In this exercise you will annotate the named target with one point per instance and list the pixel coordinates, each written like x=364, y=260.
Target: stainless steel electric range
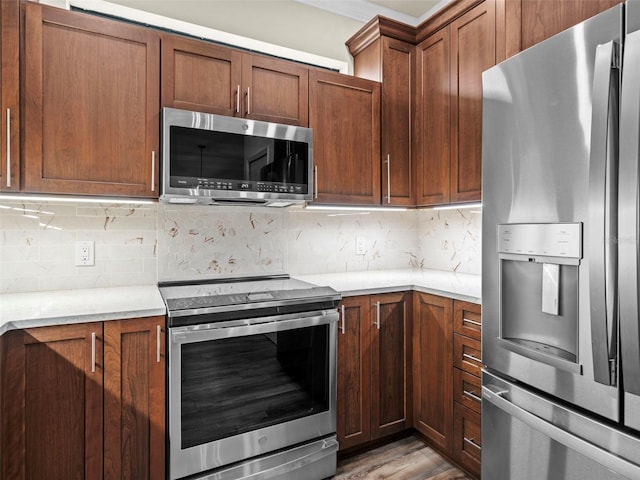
x=251, y=379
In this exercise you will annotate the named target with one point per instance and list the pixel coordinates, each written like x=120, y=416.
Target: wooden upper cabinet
x=200, y=76
x=472, y=51
x=542, y=19
x=205, y=77
x=9, y=95
x=398, y=67
x=391, y=61
x=344, y=113
x=91, y=96
x=433, y=120
x=275, y=90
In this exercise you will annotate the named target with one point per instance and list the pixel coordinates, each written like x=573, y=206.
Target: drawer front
x=467, y=390
x=466, y=354
x=467, y=446
x=467, y=319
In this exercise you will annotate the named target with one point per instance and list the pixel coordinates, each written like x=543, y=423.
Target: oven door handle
x=200, y=333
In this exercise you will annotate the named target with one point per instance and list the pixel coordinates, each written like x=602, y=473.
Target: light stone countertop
x=460, y=286
x=60, y=307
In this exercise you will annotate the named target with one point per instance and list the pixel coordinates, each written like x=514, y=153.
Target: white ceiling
x=412, y=12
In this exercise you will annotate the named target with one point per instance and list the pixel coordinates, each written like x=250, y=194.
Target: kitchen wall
x=143, y=243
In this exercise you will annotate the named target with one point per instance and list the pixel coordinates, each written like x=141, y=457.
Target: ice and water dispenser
x=539, y=291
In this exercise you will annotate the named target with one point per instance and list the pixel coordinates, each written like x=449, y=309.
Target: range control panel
x=547, y=239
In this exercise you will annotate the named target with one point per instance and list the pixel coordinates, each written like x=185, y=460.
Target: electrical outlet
x=361, y=249
x=85, y=255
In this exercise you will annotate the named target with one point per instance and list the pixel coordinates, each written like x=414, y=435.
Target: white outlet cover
x=85, y=253
x=361, y=248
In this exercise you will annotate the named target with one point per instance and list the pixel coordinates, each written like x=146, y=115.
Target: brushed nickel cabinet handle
x=158, y=342
x=472, y=322
x=343, y=320
x=472, y=442
x=248, y=100
x=238, y=100
x=8, y=147
x=378, y=315
x=153, y=171
x=389, y=179
x=93, y=352
x=472, y=358
x=471, y=395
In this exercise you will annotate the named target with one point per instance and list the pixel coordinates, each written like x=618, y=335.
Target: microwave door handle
x=628, y=214
x=602, y=205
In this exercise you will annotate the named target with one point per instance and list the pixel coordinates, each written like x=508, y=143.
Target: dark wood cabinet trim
x=377, y=27
x=443, y=17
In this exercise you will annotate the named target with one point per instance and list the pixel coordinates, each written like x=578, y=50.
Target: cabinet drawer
x=467, y=446
x=467, y=390
x=467, y=319
x=466, y=354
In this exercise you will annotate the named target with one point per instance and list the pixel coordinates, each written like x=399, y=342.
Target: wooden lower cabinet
x=432, y=357
x=83, y=401
x=446, y=381
x=374, y=353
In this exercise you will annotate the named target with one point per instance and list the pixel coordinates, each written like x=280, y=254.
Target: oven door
x=247, y=387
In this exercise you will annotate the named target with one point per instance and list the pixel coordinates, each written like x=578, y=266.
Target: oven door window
x=238, y=384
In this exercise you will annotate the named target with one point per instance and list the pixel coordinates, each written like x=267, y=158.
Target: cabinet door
x=398, y=65
x=432, y=382
x=472, y=51
x=275, y=90
x=9, y=95
x=52, y=403
x=543, y=18
x=134, y=399
x=390, y=363
x=200, y=76
x=91, y=95
x=344, y=113
x=354, y=373
x=433, y=120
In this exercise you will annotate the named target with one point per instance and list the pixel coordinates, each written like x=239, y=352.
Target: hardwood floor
x=405, y=459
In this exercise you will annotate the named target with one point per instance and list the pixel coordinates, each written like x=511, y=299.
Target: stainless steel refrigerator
x=560, y=262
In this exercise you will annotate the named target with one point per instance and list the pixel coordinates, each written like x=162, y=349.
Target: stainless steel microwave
x=213, y=159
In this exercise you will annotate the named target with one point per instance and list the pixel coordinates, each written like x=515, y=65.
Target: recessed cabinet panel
x=472, y=52
x=432, y=383
x=432, y=137
x=200, y=76
x=92, y=105
x=9, y=95
x=344, y=113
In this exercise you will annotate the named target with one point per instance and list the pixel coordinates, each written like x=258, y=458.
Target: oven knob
x=262, y=441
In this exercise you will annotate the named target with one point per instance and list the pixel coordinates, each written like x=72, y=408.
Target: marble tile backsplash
x=198, y=242
x=141, y=244
x=37, y=245
x=325, y=242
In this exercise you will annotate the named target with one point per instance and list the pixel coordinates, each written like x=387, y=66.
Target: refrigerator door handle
x=603, y=196
x=573, y=442
x=628, y=214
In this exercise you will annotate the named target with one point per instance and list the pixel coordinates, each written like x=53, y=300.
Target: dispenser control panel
x=545, y=239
